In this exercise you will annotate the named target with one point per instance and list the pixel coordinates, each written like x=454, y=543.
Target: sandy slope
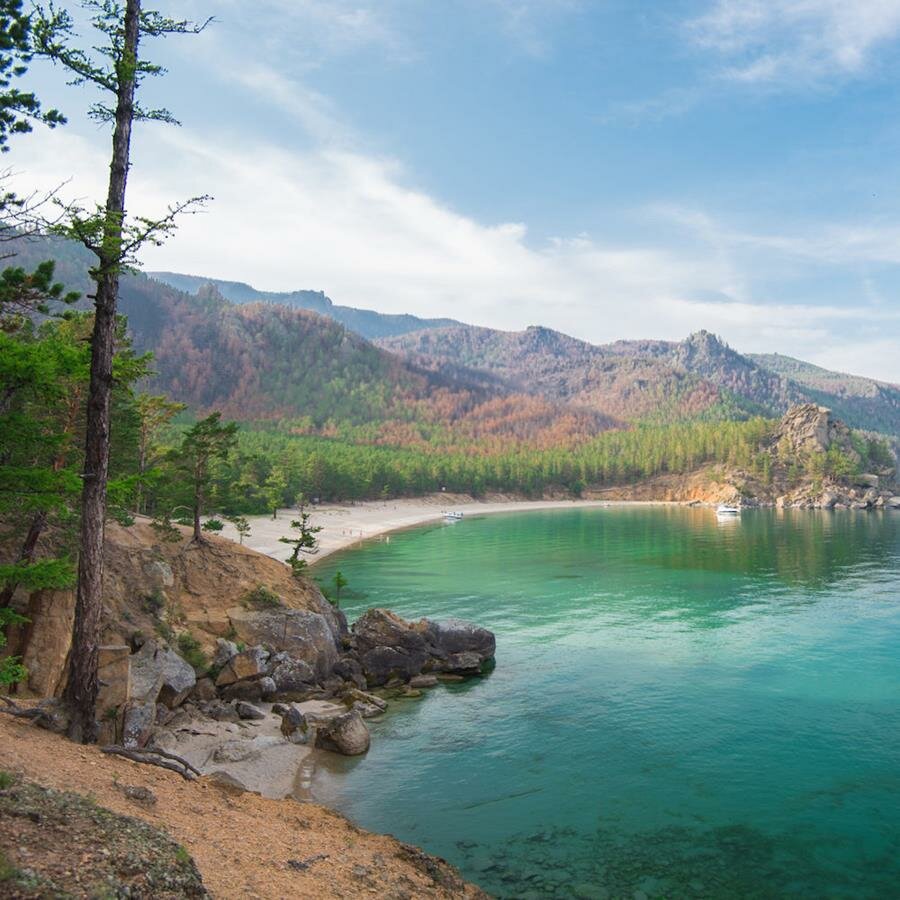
x=245, y=846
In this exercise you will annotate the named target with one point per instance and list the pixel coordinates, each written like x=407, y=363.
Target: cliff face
x=158, y=589
x=809, y=428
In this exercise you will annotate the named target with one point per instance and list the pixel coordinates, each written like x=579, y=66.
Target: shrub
x=261, y=597
x=213, y=525
x=154, y=603
x=189, y=647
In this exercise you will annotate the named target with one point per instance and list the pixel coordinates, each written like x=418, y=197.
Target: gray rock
x=225, y=651
x=305, y=635
x=221, y=712
x=893, y=502
x=204, y=690
x=350, y=670
x=159, y=574
x=346, y=734
x=250, y=690
x=456, y=636
x=138, y=726
x=423, y=681
x=389, y=646
x=250, y=663
x=248, y=711
x=467, y=663
x=292, y=675
x=160, y=674
x=294, y=726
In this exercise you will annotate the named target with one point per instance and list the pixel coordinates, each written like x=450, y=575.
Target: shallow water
x=681, y=707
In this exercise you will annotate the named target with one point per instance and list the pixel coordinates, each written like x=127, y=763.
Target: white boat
x=453, y=516
x=723, y=509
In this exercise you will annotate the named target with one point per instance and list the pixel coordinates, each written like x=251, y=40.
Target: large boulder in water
x=389, y=647
x=346, y=733
x=457, y=638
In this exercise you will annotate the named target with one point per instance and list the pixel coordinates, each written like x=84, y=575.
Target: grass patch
x=6, y=780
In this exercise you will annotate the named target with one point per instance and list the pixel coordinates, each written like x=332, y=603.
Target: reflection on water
x=681, y=707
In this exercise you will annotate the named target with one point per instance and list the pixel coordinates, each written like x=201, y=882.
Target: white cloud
x=790, y=41
x=333, y=218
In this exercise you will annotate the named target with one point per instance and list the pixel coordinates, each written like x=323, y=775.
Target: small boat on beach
x=452, y=516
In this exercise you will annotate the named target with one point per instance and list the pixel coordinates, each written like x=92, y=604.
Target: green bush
x=261, y=597
x=154, y=603
x=213, y=525
x=189, y=647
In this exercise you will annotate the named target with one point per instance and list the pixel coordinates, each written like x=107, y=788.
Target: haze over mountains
x=297, y=358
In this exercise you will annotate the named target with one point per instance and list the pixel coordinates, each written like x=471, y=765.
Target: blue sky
x=614, y=169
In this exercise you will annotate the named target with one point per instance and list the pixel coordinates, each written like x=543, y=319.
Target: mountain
x=365, y=322
x=448, y=385
x=651, y=380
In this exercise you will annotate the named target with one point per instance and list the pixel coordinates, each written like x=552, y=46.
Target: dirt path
x=245, y=846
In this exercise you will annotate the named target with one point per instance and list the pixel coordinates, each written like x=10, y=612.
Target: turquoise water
x=680, y=707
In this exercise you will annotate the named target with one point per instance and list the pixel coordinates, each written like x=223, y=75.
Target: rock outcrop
x=388, y=647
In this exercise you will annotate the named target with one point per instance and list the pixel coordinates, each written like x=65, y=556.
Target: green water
x=680, y=707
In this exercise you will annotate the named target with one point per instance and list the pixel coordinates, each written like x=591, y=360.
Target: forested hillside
x=447, y=386
x=652, y=380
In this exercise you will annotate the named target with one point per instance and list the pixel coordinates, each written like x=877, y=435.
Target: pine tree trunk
x=82, y=685
x=26, y=554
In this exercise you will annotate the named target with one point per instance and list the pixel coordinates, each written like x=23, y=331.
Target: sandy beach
x=349, y=524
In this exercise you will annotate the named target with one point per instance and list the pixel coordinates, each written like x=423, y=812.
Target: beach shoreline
x=347, y=525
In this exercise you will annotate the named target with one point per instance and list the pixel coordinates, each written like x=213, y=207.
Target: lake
x=681, y=707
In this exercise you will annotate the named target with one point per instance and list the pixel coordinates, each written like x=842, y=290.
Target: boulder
x=244, y=666
x=294, y=726
x=346, y=734
x=454, y=636
x=423, y=681
x=225, y=652
x=866, y=479
x=350, y=670
x=248, y=711
x=305, y=635
x=220, y=712
x=367, y=705
x=389, y=646
x=291, y=675
x=892, y=502
x=204, y=690
x=829, y=500
x=253, y=690
x=160, y=674
x=138, y=725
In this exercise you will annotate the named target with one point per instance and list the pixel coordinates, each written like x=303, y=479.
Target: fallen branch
x=166, y=755
x=140, y=756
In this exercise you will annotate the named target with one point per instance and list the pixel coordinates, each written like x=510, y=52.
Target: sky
x=609, y=168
